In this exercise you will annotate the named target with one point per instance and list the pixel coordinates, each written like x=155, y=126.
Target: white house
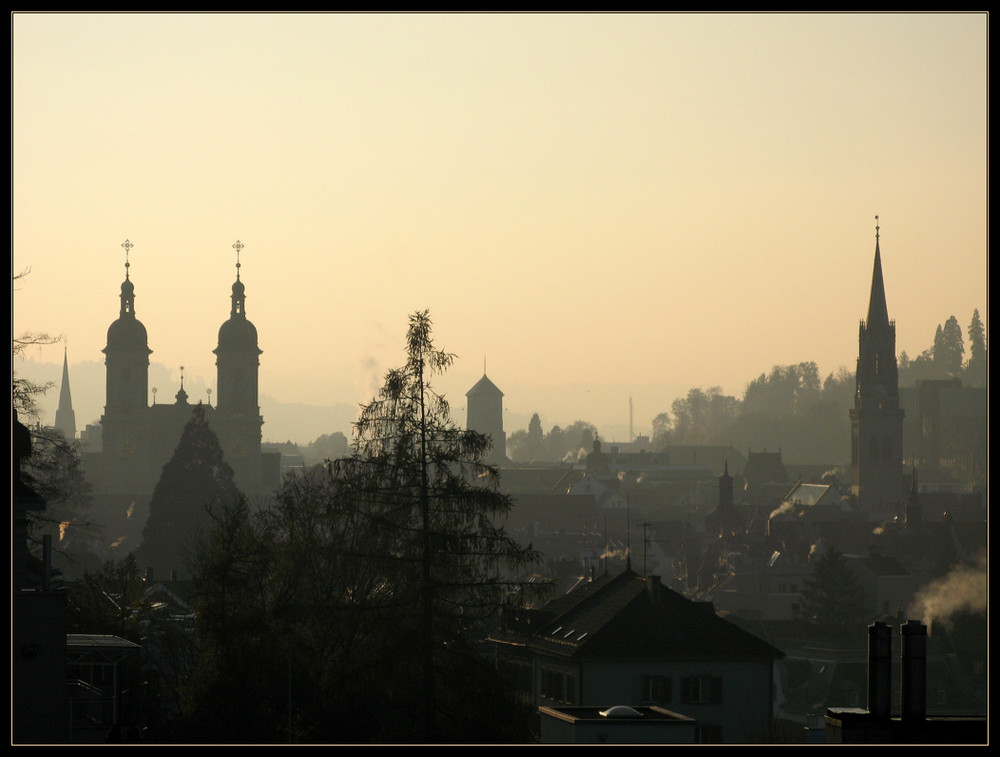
x=632, y=641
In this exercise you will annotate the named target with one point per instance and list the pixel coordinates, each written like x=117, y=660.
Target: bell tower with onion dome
x=237, y=420
x=124, y=437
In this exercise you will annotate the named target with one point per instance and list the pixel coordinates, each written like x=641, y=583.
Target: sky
x=599, y=211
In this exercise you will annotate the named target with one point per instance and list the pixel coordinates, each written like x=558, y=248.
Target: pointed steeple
x=878, y=312
x=65, y=417
x=877, y=418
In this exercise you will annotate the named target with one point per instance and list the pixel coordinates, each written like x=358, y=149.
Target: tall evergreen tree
x=453, y=565
x=195, y=480
x=536, y=438
x=365, y=587
x=833, y=596
x=949, y=348
x=976, y=368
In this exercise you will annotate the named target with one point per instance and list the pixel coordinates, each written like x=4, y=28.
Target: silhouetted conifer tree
x=451, y=564
x=976, y=368
x=833, y=596
x=949, y=347
x=352, y=605
x=195, y=480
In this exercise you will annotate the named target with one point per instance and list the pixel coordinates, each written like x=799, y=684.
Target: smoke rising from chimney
x=964, y=588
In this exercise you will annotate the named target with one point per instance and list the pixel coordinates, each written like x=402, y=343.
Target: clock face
x=238, y=450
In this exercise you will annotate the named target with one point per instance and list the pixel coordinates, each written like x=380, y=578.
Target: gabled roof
x=540, y=479
x=630, y=617
x=177, y=593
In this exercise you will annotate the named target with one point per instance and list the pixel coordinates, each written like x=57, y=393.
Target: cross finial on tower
x=238, y=246
x=128, y=246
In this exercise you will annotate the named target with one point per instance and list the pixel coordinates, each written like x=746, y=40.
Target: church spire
x=65, y=417
x=878, y=312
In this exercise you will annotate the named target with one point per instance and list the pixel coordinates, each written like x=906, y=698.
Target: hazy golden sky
x=598, y=206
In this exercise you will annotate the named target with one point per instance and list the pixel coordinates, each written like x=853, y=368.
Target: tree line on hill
x=789, y=408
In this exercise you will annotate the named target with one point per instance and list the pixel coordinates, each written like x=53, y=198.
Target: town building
x=38, y=619
x=945, y=432
x=630, y=640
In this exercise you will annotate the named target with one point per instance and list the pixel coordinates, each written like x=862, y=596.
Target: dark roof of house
x=98, y=641
x=538, y=479
x=630, y=617
x=179, y=593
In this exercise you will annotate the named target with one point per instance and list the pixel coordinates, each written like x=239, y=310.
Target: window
x=706, y=733
x=557, y=686
x=655, y=690
x=701, y=690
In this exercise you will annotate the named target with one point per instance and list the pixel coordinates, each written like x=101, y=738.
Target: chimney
x=654, y=587
x=913, y=683
x=46, y=562
x=880, y=670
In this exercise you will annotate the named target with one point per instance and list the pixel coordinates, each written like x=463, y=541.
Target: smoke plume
x=964, y=588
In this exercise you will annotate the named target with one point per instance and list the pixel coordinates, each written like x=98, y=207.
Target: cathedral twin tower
x=139, y=438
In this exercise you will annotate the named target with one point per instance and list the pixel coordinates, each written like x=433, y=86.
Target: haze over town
x=597, y=209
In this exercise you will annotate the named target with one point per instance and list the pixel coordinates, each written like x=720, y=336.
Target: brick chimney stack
x=880, y=670
x=913, y=682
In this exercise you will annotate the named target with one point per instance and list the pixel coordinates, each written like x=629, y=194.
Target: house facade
x=630, y=640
